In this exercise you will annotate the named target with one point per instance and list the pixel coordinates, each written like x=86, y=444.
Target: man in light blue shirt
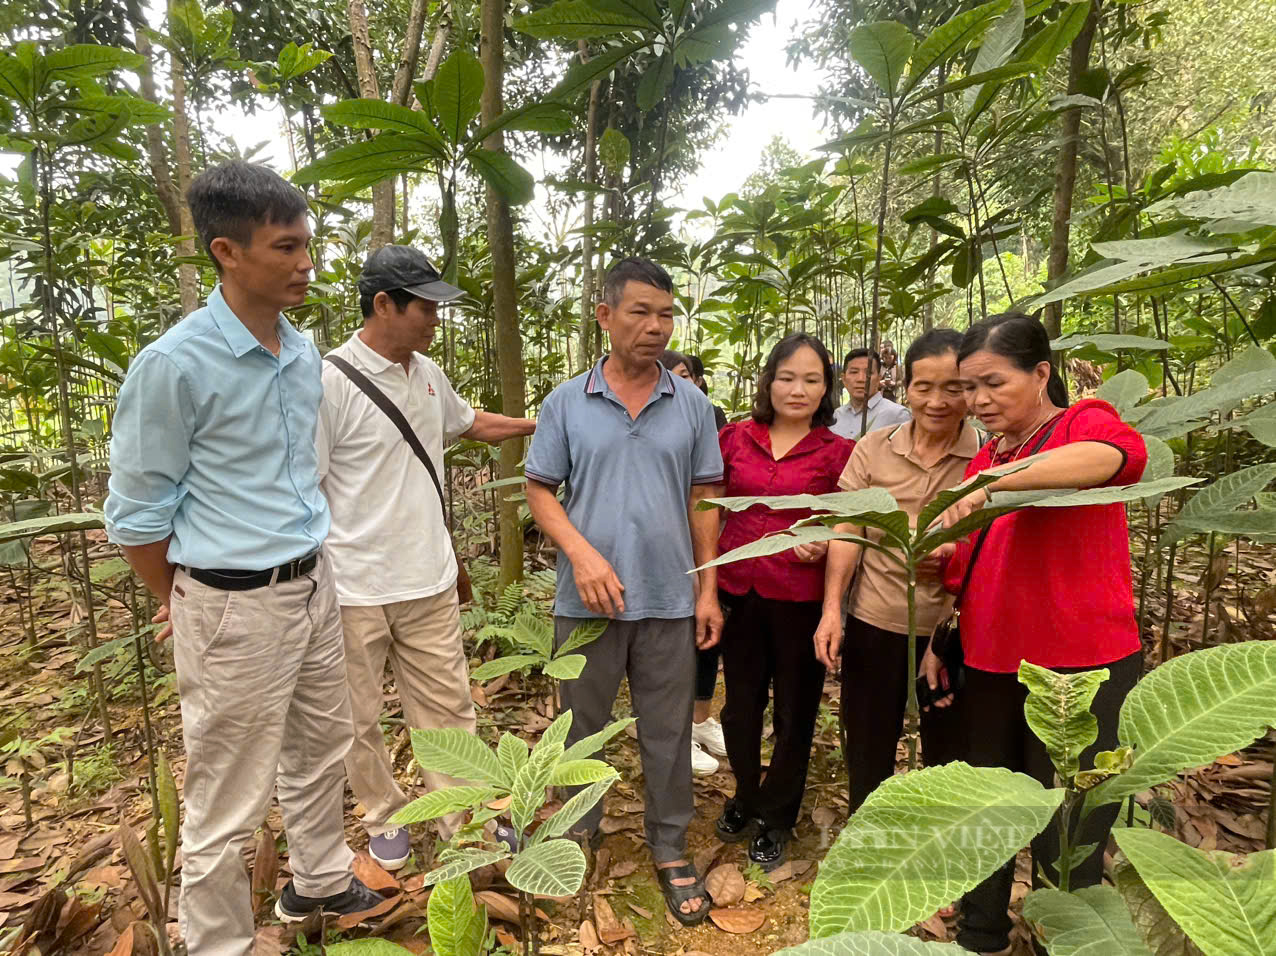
x=214, y=500
x=862, y=376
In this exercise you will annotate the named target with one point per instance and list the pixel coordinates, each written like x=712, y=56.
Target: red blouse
x=812, y=466
x=1052, y=585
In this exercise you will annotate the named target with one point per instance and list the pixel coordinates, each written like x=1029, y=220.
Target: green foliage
x=531, y=631
x=867, y=944
x=52, y=524
x=1057, y=710
x=1092, y=921
x=457, y=926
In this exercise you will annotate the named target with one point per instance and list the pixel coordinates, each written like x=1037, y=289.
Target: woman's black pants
x=876, y=673
x=767, y=643
x=996, y=735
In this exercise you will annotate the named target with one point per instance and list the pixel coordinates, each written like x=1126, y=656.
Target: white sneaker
x=709, y=736
x=701, y=763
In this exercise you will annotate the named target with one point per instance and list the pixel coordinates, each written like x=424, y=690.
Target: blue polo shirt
x=628, y=484
x=213, y=442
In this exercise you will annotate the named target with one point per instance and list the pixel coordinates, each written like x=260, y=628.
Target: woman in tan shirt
x=914, y=462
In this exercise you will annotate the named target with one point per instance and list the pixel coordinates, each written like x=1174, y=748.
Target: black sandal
x=676, y=895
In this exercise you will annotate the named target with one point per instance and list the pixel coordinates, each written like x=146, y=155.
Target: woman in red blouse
x=1049, y=586
x=775, y=602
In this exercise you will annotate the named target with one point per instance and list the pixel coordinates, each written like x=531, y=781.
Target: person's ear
x=224, y=251
x=602, y=313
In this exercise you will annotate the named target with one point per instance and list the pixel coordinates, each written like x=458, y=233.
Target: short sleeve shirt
x=388, y=542
x=882, y=413
x=628, y=481
x=885, y=459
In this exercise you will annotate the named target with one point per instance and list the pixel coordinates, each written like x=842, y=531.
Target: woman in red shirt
x=786, y=448
x=1049, y=586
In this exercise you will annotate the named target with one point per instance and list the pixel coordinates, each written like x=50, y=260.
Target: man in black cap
x=394, y=566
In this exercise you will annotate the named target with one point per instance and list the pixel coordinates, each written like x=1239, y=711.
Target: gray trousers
x=659, y=658
x=262, y=679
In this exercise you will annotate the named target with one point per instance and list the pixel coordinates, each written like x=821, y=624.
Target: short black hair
x=875, y=359
x=633, y=269
x=763, y=410
x=400, y=297
x=929, y=345
x=697, y=371
x=235, y=198
x=671, y=360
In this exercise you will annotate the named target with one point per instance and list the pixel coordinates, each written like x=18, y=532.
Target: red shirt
x=1052, y=585
x=812, y=466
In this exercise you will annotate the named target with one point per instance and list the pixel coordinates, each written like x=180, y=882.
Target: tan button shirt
x=885, y=459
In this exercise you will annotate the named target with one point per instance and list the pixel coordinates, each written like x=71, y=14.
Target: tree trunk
x=1065, y=170
x=500, y=240
x=437, y=46
x=587, y=240
x=928, y=310
x=156, y=151
x=401, y=90
x=382, y=192
x=187, y=278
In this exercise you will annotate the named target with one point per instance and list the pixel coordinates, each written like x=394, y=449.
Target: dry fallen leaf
x=639, y=911
x=935, y=926
x=498, y=905
x=706, y=856
x=589, y=937
x=752, y=894
x=272, y=941
x=374, y=877
x=623, y=869
x=501, y=804
x=823, y=817
x=354, y=919
x=781, y=873
x=611, y=825
x=738, y=920
x=798, y=867
x=124, y=945
x=610, y=929
x=265, y=866
x=508, y=940
x=725, y=885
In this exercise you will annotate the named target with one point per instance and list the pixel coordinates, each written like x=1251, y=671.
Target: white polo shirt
x=388, y=542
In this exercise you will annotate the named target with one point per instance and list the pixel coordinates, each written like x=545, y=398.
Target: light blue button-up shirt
x=213, y=442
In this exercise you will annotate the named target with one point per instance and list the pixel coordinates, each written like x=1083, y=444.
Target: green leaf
x=1253, y=359
x=503, y=174
x=1044, y=47
x=534, y=632
x=1248, y=200
x=579, y=20
x=921, y=840
x=504, y=665
x=574, y=809
x=1156, y=927
x=52, y=524
x=577, y=773
x=583, y=634
x=439, y=803
x=457, y=753
x=580, y=75
x=950, y=38
x=1166, y=416
x=106, y=651
x=1111, y=495
x=1246, y=523
x=369, y=947
x=1092, y=921
x=458, y=88
x=170, y=815
x=553, y=868
x=512, y=752
x=613, y=150
x=1057, y=710
x=566, y=667
x=998, y=46
x=1224, y=902
x=371, y=160
x=528, y=790
x=1160, y=465
x=786, y=540
x=849, y=503
x=1260, y=423
x=378, y=114
x=594, y=743
x=450, y=912
x=950, y=496
x=1124, y=390
x=867, y=944
x=1192, y=710
x=460, y=862
x=655, y=82
x=1106, y=342
x=883, y=50
x=1217, y=499
x=85, y=60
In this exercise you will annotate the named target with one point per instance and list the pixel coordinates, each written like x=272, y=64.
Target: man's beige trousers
x=422, y=639
x=264, y=707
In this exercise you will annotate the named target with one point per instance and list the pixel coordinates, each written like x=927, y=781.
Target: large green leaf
x=1088, y=922
x=1044, y=47
x=1107, y=342
x=921, y=840
x=457, y=753
x=371, y=160
x=1164, y=417
x=370, y=947
x=1161, y=464
x=580, y=75
x=1192, y=710
x=502, y=173
x=655, y=82
x=534, y=632
x=1248, y=523
x=997, y=48
x=883, y=50
x=580, y=20
x=528, y=791
x=582, y=634
x=378, y=114
x=1224, y=902
x=504, y=665
x=566, y=666
x=1124, y=390
x=1157, y=928
x=459, y=862
x=553, y=868
x=453, y=919
x=82, y=61
x=950, y=496
x=457, y=90
x=1253, y=359
x=588, y=746
x=574, y=809
x=512, y=752
x=52, y=524
x=786, y=540
x=577, y=773
x=439, y=803
x=1057, y=710
x=868, y=944
x=1218, y=499
x=1111, y=495
x=950, y=38
x=864, y=501
x=1250, y=200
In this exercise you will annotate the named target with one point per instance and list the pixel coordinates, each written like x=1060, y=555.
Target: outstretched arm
x=493, y=428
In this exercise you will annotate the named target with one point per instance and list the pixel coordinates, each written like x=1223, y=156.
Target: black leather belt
x=229, y=580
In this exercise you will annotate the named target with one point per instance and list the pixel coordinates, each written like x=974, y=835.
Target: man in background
x=866, y=409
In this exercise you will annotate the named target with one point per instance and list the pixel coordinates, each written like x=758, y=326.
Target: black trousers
x=995, y=734
x=707, y=671
x=876, y=673
x=767, y=643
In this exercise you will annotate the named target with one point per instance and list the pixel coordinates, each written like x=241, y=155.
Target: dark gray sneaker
x=293, y=907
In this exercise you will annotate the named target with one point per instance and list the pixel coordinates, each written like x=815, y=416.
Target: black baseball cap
x=402, y=267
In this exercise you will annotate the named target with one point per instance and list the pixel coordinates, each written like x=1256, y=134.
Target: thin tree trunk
x=587, y=240
x=401, y=89
x=382, y=192
x=1065, y=170
x=187, y=278
x=156, y=151
x=437, y=46
x=928, y=310
x=500, y=241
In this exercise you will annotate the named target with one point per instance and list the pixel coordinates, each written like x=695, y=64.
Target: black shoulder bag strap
x=383, y=402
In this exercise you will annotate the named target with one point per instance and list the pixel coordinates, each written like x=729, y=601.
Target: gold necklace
x=1024, y=444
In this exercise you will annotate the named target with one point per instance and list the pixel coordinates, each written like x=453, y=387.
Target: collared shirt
x=885, y=459
x=809, y=467
x=388, y=541
x=213, y=442
x=628, y=485
x=882, y=413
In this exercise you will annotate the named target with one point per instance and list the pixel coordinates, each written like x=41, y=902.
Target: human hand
x=600, y=590
x=161, y=617
x=828, y=640
x=709, y=620
x=811, y=551
x=966, y=506
x=932, y=668
x=931, y=567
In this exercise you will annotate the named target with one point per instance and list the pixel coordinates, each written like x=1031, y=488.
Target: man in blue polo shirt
x=214, y=500
x=637, y=449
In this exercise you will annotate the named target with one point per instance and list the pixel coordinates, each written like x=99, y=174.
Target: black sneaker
x=293, y=907
x=734, y=824
x=767, y=849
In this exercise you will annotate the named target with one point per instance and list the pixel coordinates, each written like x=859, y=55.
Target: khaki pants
x=422, y=639
x=264, y=707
